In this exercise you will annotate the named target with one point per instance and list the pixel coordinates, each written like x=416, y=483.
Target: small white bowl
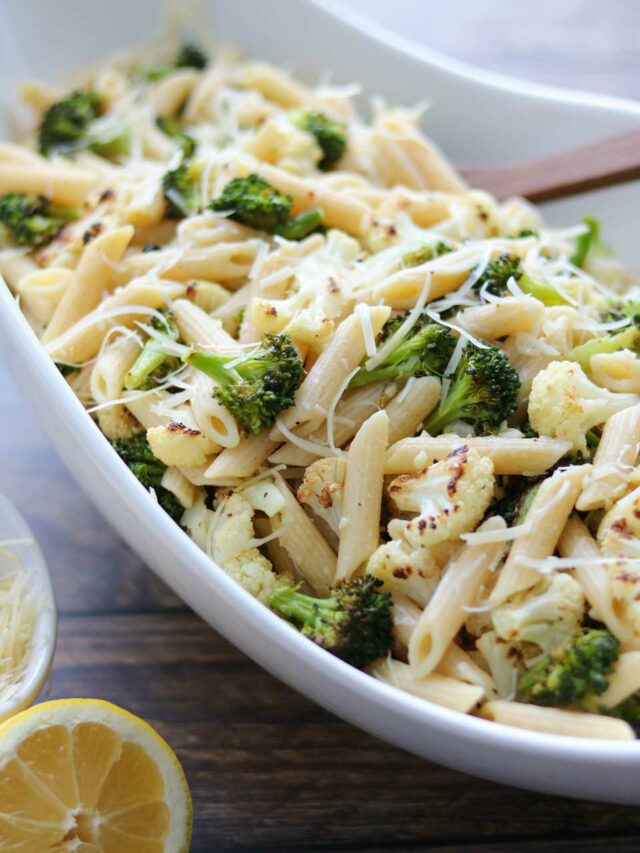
x=15, y=531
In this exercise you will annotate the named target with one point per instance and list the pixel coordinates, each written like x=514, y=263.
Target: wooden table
x=268, y=770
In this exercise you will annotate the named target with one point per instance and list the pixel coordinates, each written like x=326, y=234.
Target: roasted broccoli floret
x=189, y=56
x=575, y=671
x=153, y=363
x=497, y=273
x=354, y=623
x=425, y=253
x=180, y=187
x=483, y=392
x=32, y=219
x=67, y=127
x=192, y=56
x=628, y=338
x=254, y=202
x=329, y=135
x=622, y=309
x=257, y=386
x=172, y=128
x=137, y=455
x=424, y=351
x=629, y=711
x=589, y=242
x=514, y=504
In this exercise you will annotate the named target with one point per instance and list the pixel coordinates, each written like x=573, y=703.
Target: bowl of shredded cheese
x=27, y=614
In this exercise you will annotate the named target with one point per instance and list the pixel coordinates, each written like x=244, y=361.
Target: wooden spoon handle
x=602, y=164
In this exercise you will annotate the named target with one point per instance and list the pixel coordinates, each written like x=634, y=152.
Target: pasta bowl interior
x=231, y=273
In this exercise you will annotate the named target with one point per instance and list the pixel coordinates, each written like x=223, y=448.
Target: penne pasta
x=556, y=722
x=524, y=456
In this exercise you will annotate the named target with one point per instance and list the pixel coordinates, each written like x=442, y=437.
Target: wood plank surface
x=269, y=771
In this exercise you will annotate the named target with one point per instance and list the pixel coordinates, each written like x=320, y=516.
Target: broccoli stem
x=543, y=292
x=214, y=366
x=301, y=226
x=299, y=608
x=628, y=338
x=454, y=406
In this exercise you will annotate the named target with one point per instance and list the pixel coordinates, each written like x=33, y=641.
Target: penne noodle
x=556, y=722
x=360, y=521
x=445, y=613
x=614, y=461
x=577, y=541
x=436, y=688
x=65, y=185
x=95, y=274
x=530, y=456
x=547, y=517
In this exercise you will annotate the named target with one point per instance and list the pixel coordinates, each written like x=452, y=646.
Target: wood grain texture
x=268, y=770
x=602, y=164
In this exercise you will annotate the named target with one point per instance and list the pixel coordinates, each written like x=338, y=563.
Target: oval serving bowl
x=468, y=105
x=20, y=552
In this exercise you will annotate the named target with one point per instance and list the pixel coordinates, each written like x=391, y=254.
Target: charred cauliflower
x=449, y=497
x=565, y=404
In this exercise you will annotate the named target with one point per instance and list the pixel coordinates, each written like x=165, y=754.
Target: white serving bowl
x=478, y=119
x=21, y=544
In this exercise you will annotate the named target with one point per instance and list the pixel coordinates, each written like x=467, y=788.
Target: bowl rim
x=44, y=638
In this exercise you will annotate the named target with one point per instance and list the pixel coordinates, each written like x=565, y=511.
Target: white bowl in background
x=19, y=550
x=477, y=118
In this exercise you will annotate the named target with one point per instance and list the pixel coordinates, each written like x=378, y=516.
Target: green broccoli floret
x=589, y=243
x=622, y=309
x=354, y=622
x=628, y=338
x=254, y=202
x=329, y=135
x=627, y=710
x=171, y=127
x=255, y=387
x=498, y=272
x=153, y=363
x=66, y=369
x=483, y=392
x=237, y=320
x=180, y=188
x=137, y=455
x=425, y=253
x=189, y=56
x=424, y=351
x=576, y=670
x=192, y=56
x=516, y=500
x=32, y=219
x=66, y=128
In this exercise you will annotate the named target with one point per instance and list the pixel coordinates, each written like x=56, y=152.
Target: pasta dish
x=403, y=415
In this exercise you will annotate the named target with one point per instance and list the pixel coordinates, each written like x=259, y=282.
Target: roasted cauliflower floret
x=322, y=490
x=255, y=573
x=619, y=531
x=404, y=570
x=503, y=661
x=565, y=404
x=545, y=615
x=450, y=497
x=234, y=530
x=177, y=444
x=227, y=535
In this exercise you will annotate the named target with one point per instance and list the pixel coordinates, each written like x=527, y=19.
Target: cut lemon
x=83, y=775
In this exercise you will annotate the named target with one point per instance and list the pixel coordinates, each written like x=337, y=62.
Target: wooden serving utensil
x=601, y=164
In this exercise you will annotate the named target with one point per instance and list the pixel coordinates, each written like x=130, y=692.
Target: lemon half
x=83, y=775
